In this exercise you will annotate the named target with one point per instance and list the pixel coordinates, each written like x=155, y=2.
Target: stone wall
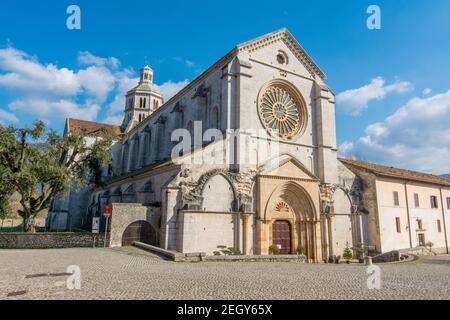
x=50, y=240
x=126, y=213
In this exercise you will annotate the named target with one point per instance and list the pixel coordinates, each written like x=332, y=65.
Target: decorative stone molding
x=284, y=36
x=282, y=207
x=241, y=183
x=201, y=91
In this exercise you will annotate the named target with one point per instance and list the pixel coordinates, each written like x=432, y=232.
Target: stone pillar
x=317, y=241
x=244, y=233
x=325, y=241
x=299, y=227
x=330, y=235
x=307, y=241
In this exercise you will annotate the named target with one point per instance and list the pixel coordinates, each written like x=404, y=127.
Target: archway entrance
x=282, y=236
x=290, y=220
x=140, y=231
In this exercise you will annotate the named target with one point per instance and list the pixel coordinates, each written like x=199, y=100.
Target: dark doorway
x=140, y=231
x=281, y=236
x=421, y=240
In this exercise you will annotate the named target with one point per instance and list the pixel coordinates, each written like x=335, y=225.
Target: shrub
x=348, y=254
x=301, y=250
x=273, y=249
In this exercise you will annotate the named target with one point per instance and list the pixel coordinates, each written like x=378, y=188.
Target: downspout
x=443, y=219
x=407, y=214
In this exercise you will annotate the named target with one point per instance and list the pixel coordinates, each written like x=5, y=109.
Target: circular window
x=281, y=59
x=282, y=110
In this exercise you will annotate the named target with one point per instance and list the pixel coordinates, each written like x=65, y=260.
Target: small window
x=439, y=226
x=419, y=224
x=416, y=200
x=396, y=200
x=397, y=223
x=434, y=202
x=448, y=203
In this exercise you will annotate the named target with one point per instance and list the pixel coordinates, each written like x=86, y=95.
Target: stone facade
x=295, y=195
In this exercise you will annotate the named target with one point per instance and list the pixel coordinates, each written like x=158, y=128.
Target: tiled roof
x=91, y=128
x=396, y=172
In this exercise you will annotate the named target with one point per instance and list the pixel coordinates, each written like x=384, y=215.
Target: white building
x=295, y=195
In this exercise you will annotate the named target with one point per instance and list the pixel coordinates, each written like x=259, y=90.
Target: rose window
x=281, y=112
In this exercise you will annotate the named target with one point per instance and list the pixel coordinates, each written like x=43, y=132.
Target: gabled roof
x=90, y=128
x=251, y=45
x=392, y=172
x=285, y=36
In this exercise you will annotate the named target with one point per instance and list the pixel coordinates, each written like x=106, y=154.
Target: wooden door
x=281, y=236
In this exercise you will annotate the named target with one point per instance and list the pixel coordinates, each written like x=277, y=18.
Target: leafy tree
x=39, y=164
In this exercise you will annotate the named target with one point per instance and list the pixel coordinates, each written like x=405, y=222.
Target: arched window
x=145, y=103
x=214, y=121
x=218, y=185
x=140, y=118
x=125, y=157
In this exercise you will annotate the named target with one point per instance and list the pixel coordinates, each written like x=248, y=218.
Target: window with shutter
x=416, y=200
x=396, y=200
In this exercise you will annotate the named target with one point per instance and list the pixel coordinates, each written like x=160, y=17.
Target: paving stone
x=130, y=273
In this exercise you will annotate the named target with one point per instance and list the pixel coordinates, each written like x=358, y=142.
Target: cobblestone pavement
x=128, y=273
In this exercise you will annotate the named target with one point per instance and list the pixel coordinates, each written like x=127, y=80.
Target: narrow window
x=145, y=102
x=434, y=203
x=416, y=200
x=397, y=223
x=396, y=200
x=439, y=225
x=419, y=224
x=448, y=203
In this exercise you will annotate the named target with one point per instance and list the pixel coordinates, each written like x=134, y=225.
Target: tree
x=348, y=254
x=39, y=164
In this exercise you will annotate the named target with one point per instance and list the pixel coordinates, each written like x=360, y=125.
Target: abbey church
x=296, y=196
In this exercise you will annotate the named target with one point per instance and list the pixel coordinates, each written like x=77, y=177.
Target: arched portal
x=290, y=215
x=140, y=231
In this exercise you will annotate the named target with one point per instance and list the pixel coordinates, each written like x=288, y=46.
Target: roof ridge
x=367, y=165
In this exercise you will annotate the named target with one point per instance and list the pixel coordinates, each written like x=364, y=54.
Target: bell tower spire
x=146, y=75
x=141, y=101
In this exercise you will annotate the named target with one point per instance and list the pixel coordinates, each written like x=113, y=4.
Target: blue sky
x=392, y=85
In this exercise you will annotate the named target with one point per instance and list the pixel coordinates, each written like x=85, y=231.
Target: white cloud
x=51, y=93
x=345, y=148
x=169, y=89
x=25, y=73
x=426, y=91
x=87, y=58
x=97, y=81
x=56, y=110
x=354, y=101
x=116, y=119
x=7, y=117
x=416, y=136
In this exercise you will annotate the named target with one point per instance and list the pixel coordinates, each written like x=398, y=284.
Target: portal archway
x=140, y=231
x=290, y=219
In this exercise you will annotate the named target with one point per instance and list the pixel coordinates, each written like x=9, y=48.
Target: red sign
x=107, y=210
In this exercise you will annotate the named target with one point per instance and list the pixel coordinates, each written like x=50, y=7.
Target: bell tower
x=141, y=101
